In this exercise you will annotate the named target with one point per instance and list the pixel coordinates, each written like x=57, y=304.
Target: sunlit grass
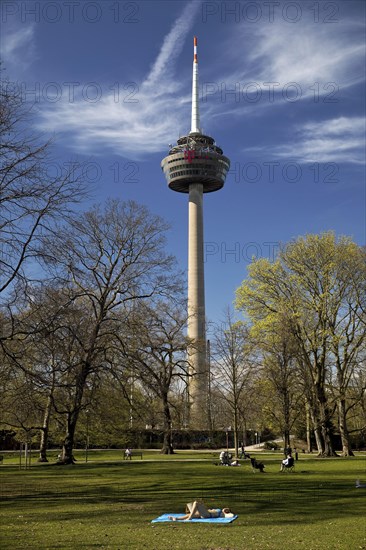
x=111, y=505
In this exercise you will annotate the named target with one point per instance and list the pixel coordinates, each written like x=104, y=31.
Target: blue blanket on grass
x=165, y=517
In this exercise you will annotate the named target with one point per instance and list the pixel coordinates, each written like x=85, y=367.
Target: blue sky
x=282, y=90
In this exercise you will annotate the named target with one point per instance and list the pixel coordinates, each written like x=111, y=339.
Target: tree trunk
x=236, y=439
x=45, y=431
x=317, y=431
x=72, y=417
x=244, y=433
x=167, y=442
x=326, y=431
x=286, y=438
x=67, y=456
x=43, y=445
x=342, y=416
x=324, y=421
x=319, y=440
x=285, y=396
x=308, y=427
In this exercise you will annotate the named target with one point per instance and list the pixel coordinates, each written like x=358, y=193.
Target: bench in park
x=132, y=453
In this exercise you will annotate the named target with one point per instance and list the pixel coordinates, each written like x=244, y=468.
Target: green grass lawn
x=111, y=504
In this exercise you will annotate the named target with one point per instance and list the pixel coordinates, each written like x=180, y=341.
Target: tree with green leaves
x=281, y=372
x=315, y=283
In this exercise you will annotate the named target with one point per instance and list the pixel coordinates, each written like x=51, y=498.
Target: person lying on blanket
x=198, y=510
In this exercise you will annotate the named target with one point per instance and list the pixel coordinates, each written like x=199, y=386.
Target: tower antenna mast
x=195, y=119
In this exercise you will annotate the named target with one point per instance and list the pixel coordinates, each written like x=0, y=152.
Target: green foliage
x=7, y=440
x=311, y=302
x=271, y=446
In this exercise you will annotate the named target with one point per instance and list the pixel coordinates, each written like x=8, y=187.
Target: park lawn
x=113, y=455
x=111, y=505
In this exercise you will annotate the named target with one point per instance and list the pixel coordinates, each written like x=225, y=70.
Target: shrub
x=271, y=446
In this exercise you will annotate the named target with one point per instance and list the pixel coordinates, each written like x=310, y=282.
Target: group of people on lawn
x=226, y=460
x=197, y=509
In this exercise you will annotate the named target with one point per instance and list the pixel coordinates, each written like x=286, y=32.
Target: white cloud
x=306, y=58
x=17, y=47
x=304, y=53
x=131, y=125
x=335, y=127
x=336, y=140
x=172, y=45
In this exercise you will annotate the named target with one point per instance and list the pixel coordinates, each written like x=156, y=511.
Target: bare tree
x=31, y=198
x=233, y=367
x=156, y=354
x=104, y=260
x=36, y=358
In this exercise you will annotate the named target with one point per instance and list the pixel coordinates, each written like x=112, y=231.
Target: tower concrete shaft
x=196, y=165
x=198, y=383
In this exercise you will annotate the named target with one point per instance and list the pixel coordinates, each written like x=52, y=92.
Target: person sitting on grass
x=225, y=458
x=198, y=510
x=257, y=465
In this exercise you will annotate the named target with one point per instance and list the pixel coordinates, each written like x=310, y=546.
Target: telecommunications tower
x=196, y=165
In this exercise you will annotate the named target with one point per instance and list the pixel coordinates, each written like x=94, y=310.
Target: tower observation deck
x=195, y=159
x=196, y=165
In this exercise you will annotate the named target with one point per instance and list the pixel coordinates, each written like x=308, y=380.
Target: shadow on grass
x=122, y=491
